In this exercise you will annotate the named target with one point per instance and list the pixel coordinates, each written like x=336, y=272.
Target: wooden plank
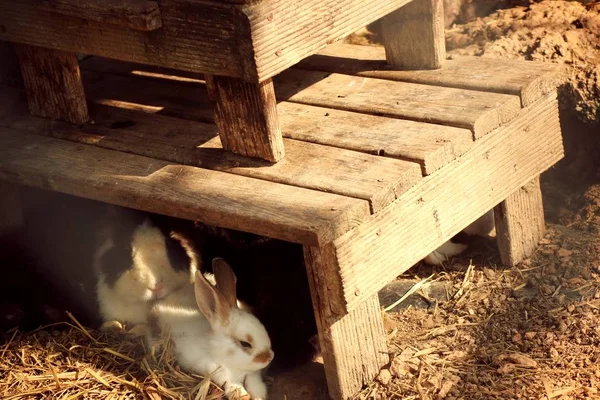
x=520, y=223
x=413, y=35
x=253, y=41
x=354, y=345
x=246, y=115
x=375, y=179
x=53, y=84
x=478, y=111
x=196, y=35
x=431, y=145
x=527, y=79
x=141, y=15
x=215, y=198
x=446, y=202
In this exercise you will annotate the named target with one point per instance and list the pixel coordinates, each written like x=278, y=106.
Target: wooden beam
x=53, y=84
x=353, y=346
x=215, y=198
x=254, y=41
x=141, y=15
x=443, y=204
x=246, y=116
x=414, y=35
x=520, y=223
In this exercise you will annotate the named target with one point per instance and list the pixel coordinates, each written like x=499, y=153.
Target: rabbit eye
x=245, y=345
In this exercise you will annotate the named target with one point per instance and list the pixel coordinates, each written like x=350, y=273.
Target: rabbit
x=212, y=335
x=273, y=286
x=139, y=259
x=483, y=226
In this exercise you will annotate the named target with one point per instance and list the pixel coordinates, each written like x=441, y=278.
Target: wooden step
x=183, y=95
x=378, y=180
x=217, y=198
x=526, y=79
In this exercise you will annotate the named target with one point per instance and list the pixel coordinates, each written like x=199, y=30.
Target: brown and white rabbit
x=483, y=226
x=212, y=336
x=139, y=259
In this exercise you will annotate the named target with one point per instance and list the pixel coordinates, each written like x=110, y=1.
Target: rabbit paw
x=235, y=391
x=256, y=387
x=113, y=325
x=444, y=252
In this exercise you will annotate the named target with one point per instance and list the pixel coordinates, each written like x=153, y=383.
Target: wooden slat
x=478, y=111
x=446, y=202
x=141, y=15
x=252, y=41
x=432, y=146
x=413, y=35
x=520, y=223
x=354, y=345
x=375, y=179
x=53, y=84
x=527, y=79
x=246, y=115
x=215, y=198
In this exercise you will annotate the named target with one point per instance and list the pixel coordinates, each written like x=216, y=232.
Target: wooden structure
x=381, y=165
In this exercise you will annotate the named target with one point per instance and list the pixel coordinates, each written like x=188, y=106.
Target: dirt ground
x=475, y=329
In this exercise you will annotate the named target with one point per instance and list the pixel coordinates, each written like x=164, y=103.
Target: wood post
x=53, y=84
x=413, y=35
x=353, y=345
x=520, y=223
x=246, y=116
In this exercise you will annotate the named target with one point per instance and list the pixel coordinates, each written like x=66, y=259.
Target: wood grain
x=215, y=198
x=246, y=115
x=413, y=35
x=527, y=79
x=141, y=15
x=353, y=346
x=478, y=111
x=53, y=84
x=520, y=223
x=180, y=95
x=253, y=41
x=444, y=203
x=375, y=179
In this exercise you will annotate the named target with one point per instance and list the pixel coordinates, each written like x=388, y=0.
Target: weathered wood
x=375, y=179
x=443, y=204
x=246, y=115
x=215, y=198
x=527, y=79
x=431, y=145
x=353, y=346
x=520, y=223
x=414, y=35
x=478, y=111
x=141, y=15
x=253, y=41
x=11, y=207
x=53, y=84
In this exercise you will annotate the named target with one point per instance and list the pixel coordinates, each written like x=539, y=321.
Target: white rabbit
x=483, y=226
x=137, y=262
x=212, y=336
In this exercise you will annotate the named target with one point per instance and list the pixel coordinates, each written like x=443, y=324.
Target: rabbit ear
x=226, y=280
x=210, y=302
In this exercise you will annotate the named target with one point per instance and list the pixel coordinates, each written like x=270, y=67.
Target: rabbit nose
x=159, y=290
